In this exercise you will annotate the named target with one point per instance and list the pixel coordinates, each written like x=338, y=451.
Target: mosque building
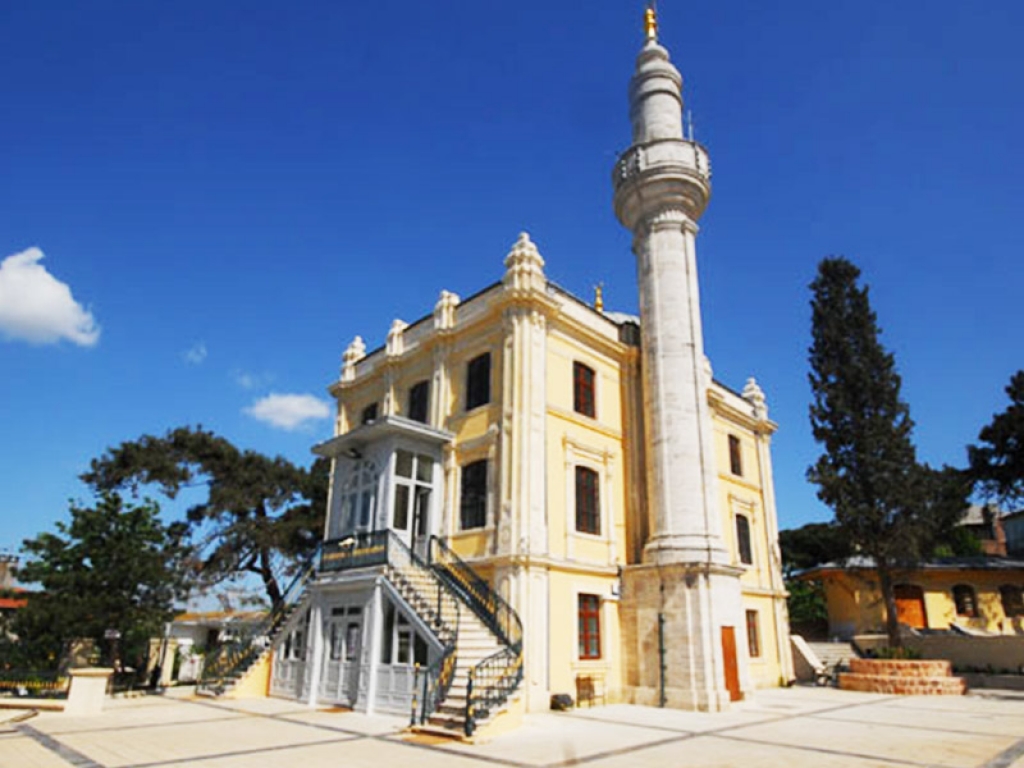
x=534, y=496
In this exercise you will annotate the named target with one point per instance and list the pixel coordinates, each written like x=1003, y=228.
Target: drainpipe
x=661, y=660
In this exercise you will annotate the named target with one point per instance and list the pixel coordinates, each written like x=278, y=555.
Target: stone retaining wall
x=902, y=676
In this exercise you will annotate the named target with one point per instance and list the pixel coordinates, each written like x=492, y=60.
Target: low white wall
x=1000, y=652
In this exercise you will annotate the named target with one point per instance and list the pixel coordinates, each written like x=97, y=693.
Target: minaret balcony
x=669, y=173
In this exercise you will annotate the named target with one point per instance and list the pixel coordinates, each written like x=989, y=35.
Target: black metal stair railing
x=494, y=679
x=228, y=661
x=491, y=682
x=435, y=603
x=490, y=607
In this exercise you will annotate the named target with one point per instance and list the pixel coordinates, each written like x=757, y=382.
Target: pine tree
x=113, y=566
x=997, y=463
x=261, y=515
x=891, y=508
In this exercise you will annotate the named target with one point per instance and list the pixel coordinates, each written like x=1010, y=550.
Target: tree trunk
x=270, y=582
x=892, y=623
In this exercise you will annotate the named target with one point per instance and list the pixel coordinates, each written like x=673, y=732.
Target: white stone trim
x=601, y=461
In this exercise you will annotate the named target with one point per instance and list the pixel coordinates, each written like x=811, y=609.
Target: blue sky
x=231, y=191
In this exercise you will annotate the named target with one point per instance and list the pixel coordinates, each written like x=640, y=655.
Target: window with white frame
x=414, y=477
x=357, y=499
x=401, y=644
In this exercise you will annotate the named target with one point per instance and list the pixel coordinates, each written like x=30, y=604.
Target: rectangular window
x=478, y=381
x=753, y=635
x=735, y=456
x=1012, y=598
x=588, y=502
x=388, y=636
x=419, y=401
x=473, y=498
x=743, y=540
x=352, y=634
x=369, y=414
x=583, y=390
x=401, y=517
x=335, y=642
x=590, y=626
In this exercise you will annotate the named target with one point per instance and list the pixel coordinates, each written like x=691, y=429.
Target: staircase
x=481, y=663
x=225, y=667
x=834, y=653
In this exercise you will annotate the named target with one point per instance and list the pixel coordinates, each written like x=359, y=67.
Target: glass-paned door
x=411, y=513
x=343, y=631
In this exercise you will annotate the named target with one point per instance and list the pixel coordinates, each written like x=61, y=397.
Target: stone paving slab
x=935, y=746
x=796, y=728
x=544, y=739
x=924, y=718
x=711, y=752
x=191, y=740
x=19, y=751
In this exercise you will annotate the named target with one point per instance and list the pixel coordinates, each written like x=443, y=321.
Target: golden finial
x=651, y=22
x=599, y=297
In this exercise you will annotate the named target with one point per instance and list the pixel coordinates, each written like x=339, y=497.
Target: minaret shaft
x=684, y=525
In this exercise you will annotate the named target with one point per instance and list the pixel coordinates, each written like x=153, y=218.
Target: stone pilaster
x=523, y=527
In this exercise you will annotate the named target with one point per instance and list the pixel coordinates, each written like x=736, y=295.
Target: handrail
x=490, y=607
x=494, y=679
x=437, y=603
x=491, y=682
x=246, y=647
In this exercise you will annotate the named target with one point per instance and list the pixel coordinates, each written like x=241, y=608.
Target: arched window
x=1012, y=598
x=743, y=540
x=357, y=500
x=966, y=603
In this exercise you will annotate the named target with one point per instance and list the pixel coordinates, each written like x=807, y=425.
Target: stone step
x=903, y=686
x=433, y=730
x=831, y=654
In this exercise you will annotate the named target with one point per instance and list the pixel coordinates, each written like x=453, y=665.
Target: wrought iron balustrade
x=358, y=550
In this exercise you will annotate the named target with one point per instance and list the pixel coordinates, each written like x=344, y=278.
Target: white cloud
x=195, y=354
x=289, y=411
x=247, y=380
x=37, y=307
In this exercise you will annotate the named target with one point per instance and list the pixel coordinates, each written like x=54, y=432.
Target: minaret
x=662, y=184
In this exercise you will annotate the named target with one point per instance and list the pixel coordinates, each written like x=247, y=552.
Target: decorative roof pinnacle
x=599, y=297
x=754, y=395
x=524, y=266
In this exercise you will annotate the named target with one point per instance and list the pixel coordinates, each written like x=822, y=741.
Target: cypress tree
x=890, y=508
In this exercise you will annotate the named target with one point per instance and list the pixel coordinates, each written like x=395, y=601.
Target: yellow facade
x=535, y=439
x=855, y=604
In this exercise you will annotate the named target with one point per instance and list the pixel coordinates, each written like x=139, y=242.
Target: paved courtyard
x=790, y=728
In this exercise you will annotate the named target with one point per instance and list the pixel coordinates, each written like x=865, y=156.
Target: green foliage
x=113, y=566
x=997, y=463
x=808, y=615
x=887, y=505
x=259, y=512
x=813, y=544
